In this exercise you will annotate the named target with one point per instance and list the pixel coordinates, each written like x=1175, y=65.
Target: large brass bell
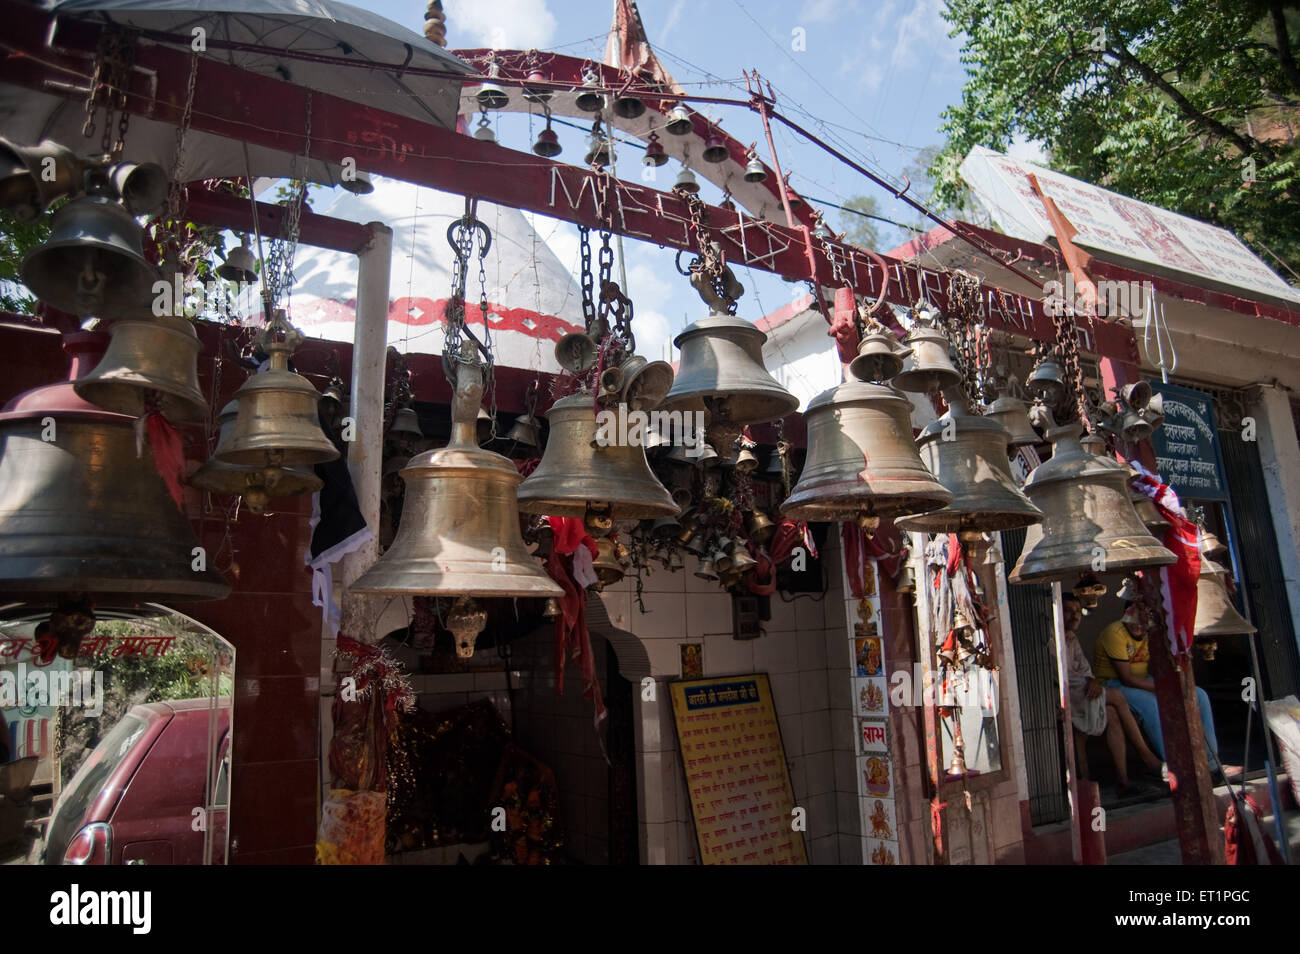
x=257, y=485
x=459, y=534
x=1013, y=414
x=1089, y=523
x=578, y=471
x=82, y=513
x=278, y=423
x=928, y=368
x=150, y=361
x=1215, y=614
x=968, y=455
x=31, y=177
x=722, y=371
x=93, y=262
x=861, y=458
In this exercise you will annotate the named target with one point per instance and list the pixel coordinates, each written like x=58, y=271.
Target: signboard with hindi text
x=1186, y=445
x=736, y=774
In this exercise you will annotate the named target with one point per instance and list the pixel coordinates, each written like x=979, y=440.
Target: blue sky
x=873, y=78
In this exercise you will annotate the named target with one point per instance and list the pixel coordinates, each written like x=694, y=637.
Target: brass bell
x=676, y=562
x=861, y=458
x=706, y=570
x=655, y=439
x=928, y=368
x=598, y=151
x=629, y=107
x=1088, y=519
x=686, y=182
x=880, y=357
x=906, y=579
x=722, y=555
x=484, y=132
x=525, y=431
x=1154, y=412
x=576, y=352
x=755, y=171
x=459, y=534
x=655, y=156
x=643, y=384
x=968, y=455
x=697, y=546
x=708, y=457
x=759, y=527
x=715, y=149
x=666, y=528
x=82, y=513
x=491, y=96
x=1134, y=427
x=148, y=360
x=679, y=121
x=1013, y=414
x=1047, y=382
x=548, y=144
x=741, y=561
x=93, y=262
x=1215, y=614
x=578, y=471
x=239, y=266
x=278, y=423
x=407, y=422
x=746, y=461
x=31, y=177
x=589, y=100
x=605, y=564
x=722, y=371
x=358, y=183
x=142, y=186
x=255, y=484
x=537, y=93
x=1212, y=546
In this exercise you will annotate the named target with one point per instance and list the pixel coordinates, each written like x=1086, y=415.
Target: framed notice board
x=736, y=774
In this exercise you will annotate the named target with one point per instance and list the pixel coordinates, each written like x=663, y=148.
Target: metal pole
x=369, y=350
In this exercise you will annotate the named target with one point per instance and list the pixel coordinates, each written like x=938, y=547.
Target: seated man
x=1121, y=662
x=1095, y=709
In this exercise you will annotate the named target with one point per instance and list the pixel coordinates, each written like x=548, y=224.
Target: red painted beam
x=231, y=212
x=264, y=111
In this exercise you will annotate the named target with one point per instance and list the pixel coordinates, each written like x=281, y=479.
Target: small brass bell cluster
x=257, y=485
x=459, y=534
x=862, y=463
x=278, y=422
x=1134, y=414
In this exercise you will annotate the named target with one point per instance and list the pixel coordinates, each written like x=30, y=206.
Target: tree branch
x=1284, y=54
x=1246, y=144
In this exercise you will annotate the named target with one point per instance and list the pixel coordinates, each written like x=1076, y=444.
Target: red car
x=133, y=801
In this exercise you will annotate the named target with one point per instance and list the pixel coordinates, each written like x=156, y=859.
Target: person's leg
x=1133, y=733
x=1144, y=708
x=1207, y=723
x=1081, y=753
x=1115, y=742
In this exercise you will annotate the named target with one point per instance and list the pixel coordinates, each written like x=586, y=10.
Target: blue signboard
x=1187, y=444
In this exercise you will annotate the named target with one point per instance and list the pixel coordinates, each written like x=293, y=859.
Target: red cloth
x=1178, y=582
x=1245, y=838
x=843, y=329
x=788, y=535
x=572, y=638
x=168, y=454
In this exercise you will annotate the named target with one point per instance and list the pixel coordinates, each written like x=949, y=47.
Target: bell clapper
x=466, y=620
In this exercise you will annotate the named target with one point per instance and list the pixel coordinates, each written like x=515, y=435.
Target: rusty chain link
x=114, y=59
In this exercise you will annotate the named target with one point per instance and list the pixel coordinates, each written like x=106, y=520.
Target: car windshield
x=88, y=782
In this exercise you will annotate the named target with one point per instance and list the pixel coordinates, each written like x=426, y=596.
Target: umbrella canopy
x=378, y=47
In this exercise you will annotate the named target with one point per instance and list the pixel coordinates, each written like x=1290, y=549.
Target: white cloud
x=500, y=24
x=674, y=15
x=821, y=11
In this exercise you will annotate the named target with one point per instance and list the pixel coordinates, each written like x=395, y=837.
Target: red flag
x=1177, y=582
x=628, y=48
x=168, y=454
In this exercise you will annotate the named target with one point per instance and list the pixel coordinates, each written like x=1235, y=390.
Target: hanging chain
x=461, y=236
x=963, y=329
x=176, y=190
x=278, y=277
x=1067, y=352
x=708, y=271
x=114, y=60
x=585, y=277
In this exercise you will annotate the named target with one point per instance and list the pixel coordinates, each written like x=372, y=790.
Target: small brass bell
x=405, y=422
x=548, y=144
x=629, y=107
x=577, y=471
x=31, y=177
x=862, y=459
x=358, y=183
x=967, y=454
x=722, y=371
x=84, y=513
x=686, y=182
x=491, y=96
x=679, y=121
x=484, y=131
x=599, y=152
x=255, y=484
x=605, y=564
x=552, y=608
x=589, y=100
x=1212, y=546
x=239, y=266
x=1088, y=519
x=93, y=262
x=676, y=562
x=746, y=461
x=655, y=156
x=708, y=457
x=741, y=561
x=1047, y=381
x=525, y=431
x=706, y=570
x=1215, y=614
x=278, y=423
x=880, y=357
x=148, y=360
x=722, y=555
x=459, y=534
x=576, y=352
x=696, y=545
x=1013, y=414
x=666, y=528
x=1154, y=412
x=645, y=384
x=1133, y=427
x=928, y=368
x=755, y=171
x=759, y=527
x=142, y=186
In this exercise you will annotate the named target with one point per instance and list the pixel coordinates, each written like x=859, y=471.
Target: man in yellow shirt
x=1121, y=660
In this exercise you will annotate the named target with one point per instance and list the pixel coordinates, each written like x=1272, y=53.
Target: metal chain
x=114, y=59
x=279, y=266
x=176, y=190
x=964, y=314
x=1067, y=352
x=711, y=263
x=585, y=277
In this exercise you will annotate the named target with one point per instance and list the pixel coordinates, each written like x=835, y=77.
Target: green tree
x=16, y=240
x=858, y=229
x=1189, y=105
